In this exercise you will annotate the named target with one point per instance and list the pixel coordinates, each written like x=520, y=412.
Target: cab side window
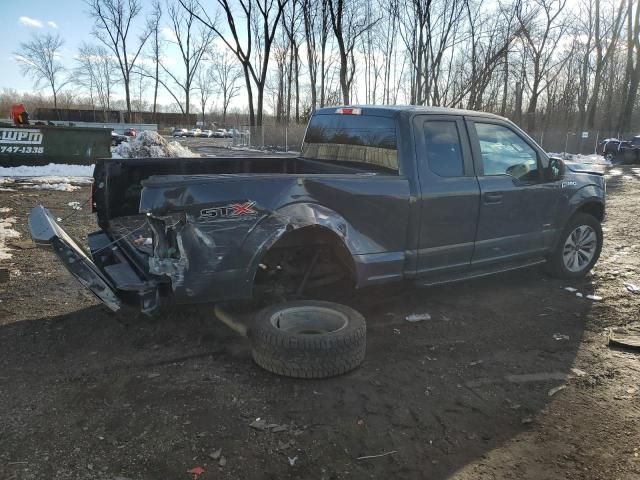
x=505, y=153
x=442, y=143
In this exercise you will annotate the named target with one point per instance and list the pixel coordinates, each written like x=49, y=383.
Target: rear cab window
x=443, y=148
x=363, y=141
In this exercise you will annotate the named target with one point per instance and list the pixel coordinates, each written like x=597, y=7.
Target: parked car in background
x=130, y=132
x=194, y=132
x=117, y=139
x=624, y=151
x=206, y=133
x=220, y=133
x=179, y=132
x=230, y=132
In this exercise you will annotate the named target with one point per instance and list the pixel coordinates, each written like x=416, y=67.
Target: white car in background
x=194, y=132
x=179, y=132
x=220, y=133
x=206, y=133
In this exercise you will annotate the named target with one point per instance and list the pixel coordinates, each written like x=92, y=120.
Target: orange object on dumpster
x=19, y=114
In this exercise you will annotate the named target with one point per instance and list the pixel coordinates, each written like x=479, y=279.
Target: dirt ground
x=88, y=394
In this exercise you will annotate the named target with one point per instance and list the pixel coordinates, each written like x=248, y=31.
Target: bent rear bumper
x=113, y=279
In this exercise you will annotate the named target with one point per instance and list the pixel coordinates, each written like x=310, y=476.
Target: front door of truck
x=450, y=196
x=518, y=206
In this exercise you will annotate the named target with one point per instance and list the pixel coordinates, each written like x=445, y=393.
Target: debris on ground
x=285, y=445
x=578, y=373
x=262, y=425
x=595, y=298
x=196, y=472
x=560, y=336
x=555, y=390
x=22, y=245
x=571, y=289
x=526, y=421
x=6, y=233
x=215, y=455
x=631, y=287
x=627, y=337
x=366, y=457
x=222, y=462
x=292, y=461
x=150, y=144
x=418, y=317
x=75, y=205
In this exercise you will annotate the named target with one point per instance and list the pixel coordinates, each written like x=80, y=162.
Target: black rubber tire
x=555, y=264
x=308, y=355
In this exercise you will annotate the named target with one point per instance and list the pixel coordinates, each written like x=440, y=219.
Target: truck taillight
x=349, y=111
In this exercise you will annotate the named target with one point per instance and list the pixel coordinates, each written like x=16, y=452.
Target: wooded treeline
x=546, y=64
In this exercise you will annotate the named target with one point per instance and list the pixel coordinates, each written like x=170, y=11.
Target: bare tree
x=193, y=40
x=632, y=69
x=348, y=23
x=156, y=48
x=112, y=24
x=542, y=29
x=225, y=74
x=40, y=59
x=261, y=19
x=96, y=71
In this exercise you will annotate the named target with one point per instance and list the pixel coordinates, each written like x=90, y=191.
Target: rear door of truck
x=450, y=196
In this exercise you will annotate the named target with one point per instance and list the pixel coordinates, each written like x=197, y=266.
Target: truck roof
x=394, y=110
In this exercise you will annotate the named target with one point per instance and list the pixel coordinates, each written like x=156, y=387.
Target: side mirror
x=555, y=170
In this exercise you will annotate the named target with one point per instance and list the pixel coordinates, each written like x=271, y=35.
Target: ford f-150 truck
x=377, y=194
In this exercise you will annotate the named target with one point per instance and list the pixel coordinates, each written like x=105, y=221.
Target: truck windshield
x=364, y=139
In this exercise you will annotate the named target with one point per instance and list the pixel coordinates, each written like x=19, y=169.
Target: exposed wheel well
x=595, y=209
x=289, y=262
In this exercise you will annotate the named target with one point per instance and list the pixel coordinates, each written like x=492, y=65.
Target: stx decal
x=230, y=211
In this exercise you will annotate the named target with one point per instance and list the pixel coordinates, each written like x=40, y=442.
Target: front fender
x=588, y=194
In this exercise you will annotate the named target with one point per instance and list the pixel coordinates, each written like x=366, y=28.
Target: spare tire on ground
x=308, y=339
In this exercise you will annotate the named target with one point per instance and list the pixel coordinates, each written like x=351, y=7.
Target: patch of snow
x=55, y=176
x=150, y=144
x=61, y=187
x=6, y=233
x=579, y=158
x=51, y=170
x=75, y=205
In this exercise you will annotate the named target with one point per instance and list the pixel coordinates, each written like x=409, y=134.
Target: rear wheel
x=578, y=248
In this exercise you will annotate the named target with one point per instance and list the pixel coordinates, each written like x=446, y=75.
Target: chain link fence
x=288, y=138
x=280, y=138
x=584, y=142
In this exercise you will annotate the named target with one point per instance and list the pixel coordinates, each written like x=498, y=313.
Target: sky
x=21, y=19
x=71, y=20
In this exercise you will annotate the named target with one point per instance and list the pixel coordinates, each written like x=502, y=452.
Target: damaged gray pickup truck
x=377, y=194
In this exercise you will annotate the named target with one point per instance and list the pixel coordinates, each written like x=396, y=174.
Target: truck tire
x=308, y=339
x=578, y=248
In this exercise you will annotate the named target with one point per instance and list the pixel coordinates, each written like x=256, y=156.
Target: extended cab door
x=518, y=205
x=450, y=195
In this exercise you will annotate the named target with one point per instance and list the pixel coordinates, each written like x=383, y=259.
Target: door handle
x=493, y=197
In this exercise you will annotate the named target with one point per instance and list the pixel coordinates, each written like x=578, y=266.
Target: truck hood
x=589, y=168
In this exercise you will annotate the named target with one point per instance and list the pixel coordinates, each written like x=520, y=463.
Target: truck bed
x=118, y=182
